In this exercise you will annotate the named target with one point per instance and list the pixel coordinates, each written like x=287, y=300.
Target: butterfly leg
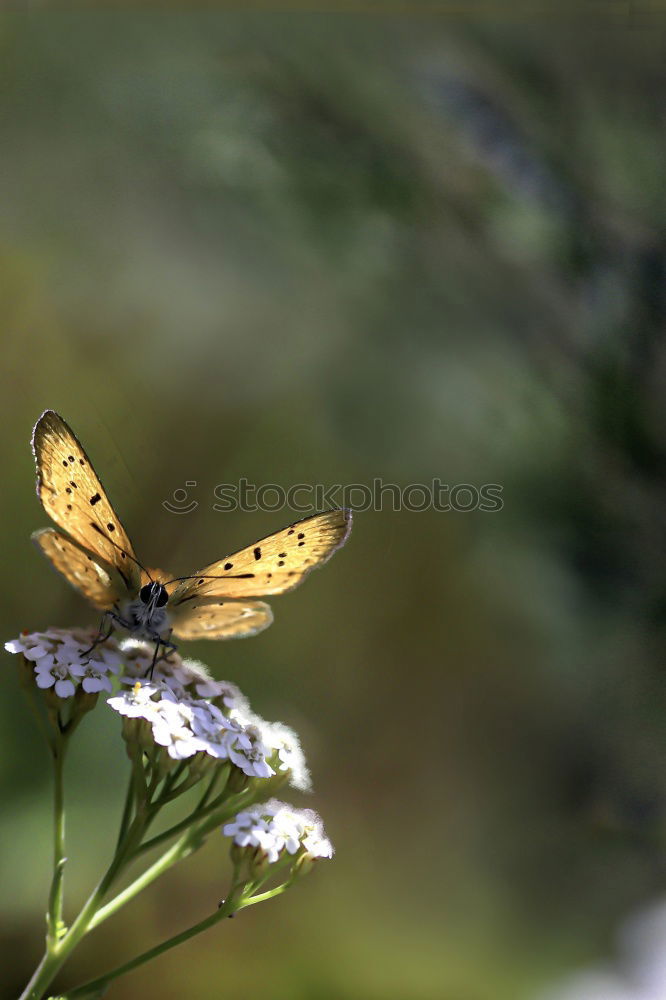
x=100, y=638
x=161, y=643
x=166, y=644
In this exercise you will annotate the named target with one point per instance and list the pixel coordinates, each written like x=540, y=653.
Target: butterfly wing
x=74, y=498
x=97, y=581
x=215, y=619
x=273, y=565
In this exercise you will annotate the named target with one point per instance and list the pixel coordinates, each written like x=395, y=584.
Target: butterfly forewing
x=97, y=558
x=273, y=565
x=73, y=496
x=99, y=583
x=214, y=619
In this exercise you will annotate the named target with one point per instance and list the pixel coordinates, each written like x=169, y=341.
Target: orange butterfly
x=96, y=556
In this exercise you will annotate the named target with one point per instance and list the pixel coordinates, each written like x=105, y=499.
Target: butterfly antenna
x=207, y=576
x=121, y=549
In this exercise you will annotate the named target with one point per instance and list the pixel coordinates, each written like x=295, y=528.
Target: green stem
x=96, y=985
x=127, y=811
x=168, y=859
x=54, y=917
x=195, y=829
x=59, y=951
x=42, y=976
x=263, y=896
x=210, y=811
x=217, y=772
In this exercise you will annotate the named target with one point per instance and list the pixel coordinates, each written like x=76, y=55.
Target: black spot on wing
x=257, y=553
x=95, y=499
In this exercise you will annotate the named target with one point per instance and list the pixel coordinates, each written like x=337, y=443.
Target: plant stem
x=58, y=951
x=211, y=810
x=127, y=810
x=263, y=896
x=94, y=985
x=169, y=858
x=194, y=828
x=54, y=917
x=42, y=976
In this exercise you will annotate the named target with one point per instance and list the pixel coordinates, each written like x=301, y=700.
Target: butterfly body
x=146, y=616
x=93, y=552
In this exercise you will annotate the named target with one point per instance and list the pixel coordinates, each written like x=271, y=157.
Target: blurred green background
x=312, y=248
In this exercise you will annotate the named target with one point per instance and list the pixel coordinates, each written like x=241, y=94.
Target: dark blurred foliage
x=311, y=248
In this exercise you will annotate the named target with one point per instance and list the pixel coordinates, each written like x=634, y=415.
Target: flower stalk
x=181, y=729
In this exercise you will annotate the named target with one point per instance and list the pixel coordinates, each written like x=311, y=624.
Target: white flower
x=63, y=659
x=172, y=729
x=284, y=740
x=280, y=741
x=48, y=674
x=137, y=703
x=186, y=726
x=227, y=738
x=92, y=678
x=275, y=828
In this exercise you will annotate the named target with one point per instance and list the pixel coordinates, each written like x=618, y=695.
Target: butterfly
x=94, y=554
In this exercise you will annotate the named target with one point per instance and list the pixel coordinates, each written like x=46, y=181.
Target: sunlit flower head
x=186, y=726
x=275, y=829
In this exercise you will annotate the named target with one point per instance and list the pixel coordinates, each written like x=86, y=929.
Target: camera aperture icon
x=180, y=502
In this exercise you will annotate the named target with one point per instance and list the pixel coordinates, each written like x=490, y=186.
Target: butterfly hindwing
x=273, y=565
x=96, y=556
x=73, y=496
x=97, y=581
x=215, y=619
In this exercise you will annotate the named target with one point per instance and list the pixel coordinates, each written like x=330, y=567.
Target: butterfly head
x=154, y=595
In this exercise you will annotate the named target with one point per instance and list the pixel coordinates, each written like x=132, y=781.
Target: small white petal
x=15, y=646
x=94, y=684
x=64, y=688
x=46, y=680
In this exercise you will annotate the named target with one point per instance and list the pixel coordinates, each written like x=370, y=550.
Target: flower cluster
x=65, y=659
x=187, y=725
x=192, y=716
x=190, y=712
x=285, y=752
x=276, y=829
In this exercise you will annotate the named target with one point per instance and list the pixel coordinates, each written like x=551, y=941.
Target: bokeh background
x=313, y=248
